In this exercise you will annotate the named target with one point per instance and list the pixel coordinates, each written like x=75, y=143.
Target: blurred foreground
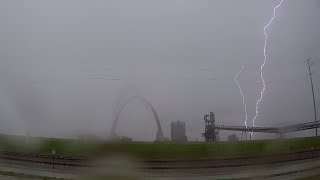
x=39, y=158
x=153, y=151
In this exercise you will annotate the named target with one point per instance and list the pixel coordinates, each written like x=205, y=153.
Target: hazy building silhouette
x=233, y=137
x=178, y=131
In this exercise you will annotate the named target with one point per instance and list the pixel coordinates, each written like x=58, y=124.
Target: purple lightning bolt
x=241, y=92
x=264, y=62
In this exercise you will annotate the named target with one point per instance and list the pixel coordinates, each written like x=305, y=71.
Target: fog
x=66, y=65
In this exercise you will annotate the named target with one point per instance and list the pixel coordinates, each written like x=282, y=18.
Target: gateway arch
x=159, y=135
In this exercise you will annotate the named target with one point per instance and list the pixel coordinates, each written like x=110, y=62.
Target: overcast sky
x=65, y=65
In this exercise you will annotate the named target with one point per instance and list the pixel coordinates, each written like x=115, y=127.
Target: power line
x=314, y=102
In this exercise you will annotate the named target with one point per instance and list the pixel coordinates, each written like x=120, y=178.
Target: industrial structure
x=178, y=131
x=211, y=129
x=210, y=134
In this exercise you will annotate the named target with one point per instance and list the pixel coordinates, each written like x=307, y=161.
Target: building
x=178, y=131
x=233, y=137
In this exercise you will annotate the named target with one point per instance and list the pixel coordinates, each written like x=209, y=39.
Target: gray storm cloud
x=65, y=64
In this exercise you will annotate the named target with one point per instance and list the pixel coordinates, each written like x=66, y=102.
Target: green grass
x=65, y=147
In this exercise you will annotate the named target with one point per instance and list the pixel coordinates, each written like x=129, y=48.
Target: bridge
x=211, y=127
x=284, y=129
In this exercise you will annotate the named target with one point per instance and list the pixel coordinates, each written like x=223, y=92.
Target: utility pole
x=314, y=103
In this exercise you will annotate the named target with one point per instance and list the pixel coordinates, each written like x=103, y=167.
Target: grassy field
x=65, y=147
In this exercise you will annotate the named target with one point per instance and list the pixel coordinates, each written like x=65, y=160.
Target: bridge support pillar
x=244, y=136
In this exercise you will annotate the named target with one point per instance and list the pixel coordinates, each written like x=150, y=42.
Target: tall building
x=178, y=131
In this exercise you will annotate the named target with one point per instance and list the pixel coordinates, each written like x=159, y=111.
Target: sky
x=66, y=65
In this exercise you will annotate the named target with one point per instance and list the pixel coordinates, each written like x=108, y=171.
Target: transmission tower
x=314, y=102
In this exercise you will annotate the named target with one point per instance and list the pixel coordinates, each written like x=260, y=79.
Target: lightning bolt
x=264, y=62
x=241, y=92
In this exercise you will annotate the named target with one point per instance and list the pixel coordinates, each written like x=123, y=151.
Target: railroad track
x=168, y=164
x=44, y=159
x=233, y=161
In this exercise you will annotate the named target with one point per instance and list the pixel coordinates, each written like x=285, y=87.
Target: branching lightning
x=241, y=92
x=264, y=62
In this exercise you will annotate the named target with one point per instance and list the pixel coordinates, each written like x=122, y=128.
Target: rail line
x=168, y=164
x=44, y=159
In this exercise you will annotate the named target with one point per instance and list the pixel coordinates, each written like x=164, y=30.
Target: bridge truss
x=211, y=128
x=284, y=129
